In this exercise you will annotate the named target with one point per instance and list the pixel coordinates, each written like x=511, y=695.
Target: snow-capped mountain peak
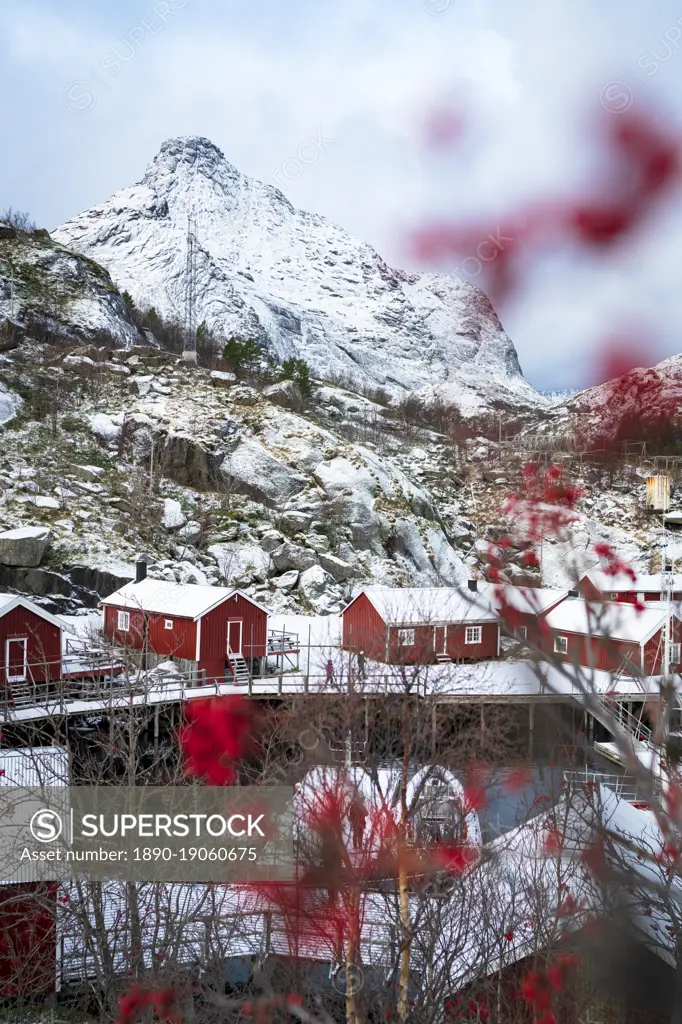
x=297, y=283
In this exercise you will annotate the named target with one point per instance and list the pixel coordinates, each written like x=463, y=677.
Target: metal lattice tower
x=190, y=349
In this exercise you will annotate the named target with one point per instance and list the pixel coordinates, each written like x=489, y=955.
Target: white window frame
x=406, y=637
x=123, y=622
x=168, y=624
x=16, y=640
x=674, y=654
x=473, y=634
x=521, y=633
x=561, y=645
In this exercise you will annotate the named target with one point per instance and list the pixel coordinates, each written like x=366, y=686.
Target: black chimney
x=140, y=570
x=473, y=585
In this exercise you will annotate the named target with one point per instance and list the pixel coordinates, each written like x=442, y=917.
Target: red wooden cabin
x=615, y=637
x=597, y=584
x=421, y=625
x=30, y=642
x=522, y=609
x=210, y=631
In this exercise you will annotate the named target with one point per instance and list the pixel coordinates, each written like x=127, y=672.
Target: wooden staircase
x=240, y=670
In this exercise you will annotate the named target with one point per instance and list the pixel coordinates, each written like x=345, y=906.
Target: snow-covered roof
x=616, y=621
x=8, y=602
x=622, y=583
x=526, y=600
x=412, y=606
x=182, y=600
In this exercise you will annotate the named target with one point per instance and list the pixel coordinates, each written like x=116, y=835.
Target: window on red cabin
x=168, y=624
x=473, y=635
x=561, y=645
x=521, y=633
x=124, y=621
x=406, y=637
x=675, y=654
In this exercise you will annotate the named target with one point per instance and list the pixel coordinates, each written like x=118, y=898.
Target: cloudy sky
x=90, y=91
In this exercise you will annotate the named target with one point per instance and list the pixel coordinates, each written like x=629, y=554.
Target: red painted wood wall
x=609, y=655
x=365, y=630
x=28, y=939
x=148, y=632
x=181, y=640
x=213, y=643
x=488, y=647
x=44, y=647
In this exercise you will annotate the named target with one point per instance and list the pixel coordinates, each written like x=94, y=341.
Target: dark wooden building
x=421, y=625
x=522, y=610
x=616, y=637
x=621, y=587
x=210, y=631
x=30, y=642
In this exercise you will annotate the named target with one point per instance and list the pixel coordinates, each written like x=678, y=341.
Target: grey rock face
x=319, y=590
x=291, y=556
x=287, y=394
x=256, y=472
x=25, y=546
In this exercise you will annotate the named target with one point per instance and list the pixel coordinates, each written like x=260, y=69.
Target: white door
x=234, y=636
x=16, y=652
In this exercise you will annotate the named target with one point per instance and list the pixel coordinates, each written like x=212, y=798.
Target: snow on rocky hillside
x=219, y=482
x=297, y=283
x=216, y=483
x=624, y=408
x=50, y=291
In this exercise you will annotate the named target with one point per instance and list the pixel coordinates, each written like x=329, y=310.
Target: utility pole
x=189, y=353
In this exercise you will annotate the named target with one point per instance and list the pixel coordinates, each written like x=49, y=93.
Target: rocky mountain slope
x=53, y=293
x=298, y=284
x=643, y=403
x=215, y=481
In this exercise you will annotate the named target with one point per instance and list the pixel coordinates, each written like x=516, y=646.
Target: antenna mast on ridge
x=190, y=350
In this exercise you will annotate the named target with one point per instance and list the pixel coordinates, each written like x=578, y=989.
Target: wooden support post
x=434, y=730
x=531, y=730
x=156, y=731
x=482, y=720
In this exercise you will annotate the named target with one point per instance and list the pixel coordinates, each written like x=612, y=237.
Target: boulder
x=9, y=404
x=318, y=542
x=106, y=428
x=173, y=516
x=291, y=556
x=254, y=471
x=240, y=564
x=25, y=546
x=296, y=522
x=336, y=567
x=287, y=581
x=286, y=394
x=271, y=540
x=190, y=533
x=222, y=378
x=88, y=473
x=244, y=395
x=185, y=572
x=317, y=587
